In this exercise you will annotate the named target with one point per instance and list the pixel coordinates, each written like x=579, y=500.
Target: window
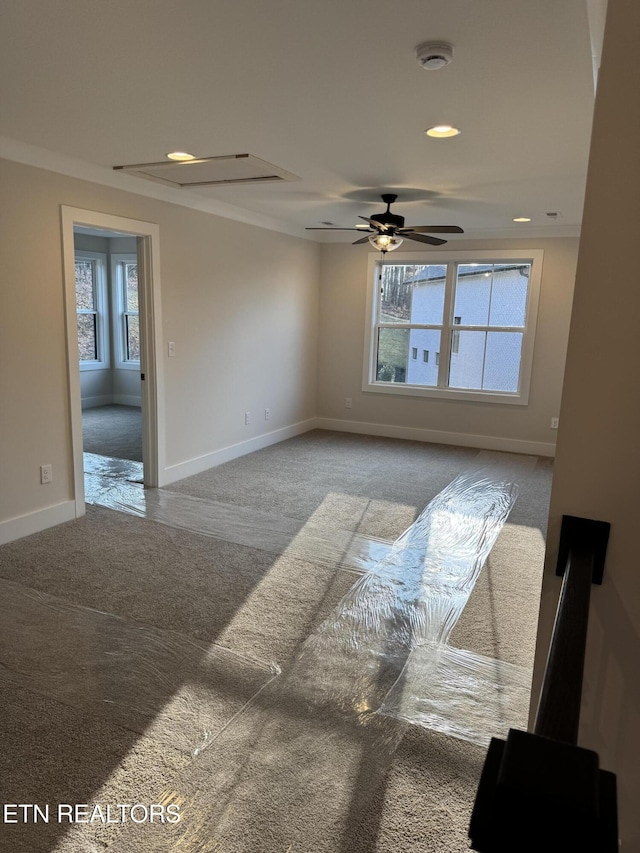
x=126, y=309
x=91, y=305
x=476, y=311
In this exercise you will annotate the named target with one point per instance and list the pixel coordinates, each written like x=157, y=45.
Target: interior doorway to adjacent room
x=112, y=304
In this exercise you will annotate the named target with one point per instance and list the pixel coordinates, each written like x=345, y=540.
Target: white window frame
x=119, y=309
x=451, y=259
x=99, y=259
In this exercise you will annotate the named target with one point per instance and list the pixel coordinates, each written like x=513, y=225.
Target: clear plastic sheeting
x=140, y=678
x=298, y=769
x=295, y=771
x=112, y=483
x=419, y=589
x=107, y=466
x=291, y=773
x=460, y=693
x=413, y=597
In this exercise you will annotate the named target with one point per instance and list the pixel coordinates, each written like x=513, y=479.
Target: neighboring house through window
x=477, y=312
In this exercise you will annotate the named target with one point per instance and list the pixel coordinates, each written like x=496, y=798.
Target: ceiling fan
x=386, y=230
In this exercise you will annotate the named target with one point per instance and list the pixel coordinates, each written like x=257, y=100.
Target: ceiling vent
x=210, y=171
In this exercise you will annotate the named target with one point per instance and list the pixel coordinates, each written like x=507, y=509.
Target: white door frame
x=151, y=363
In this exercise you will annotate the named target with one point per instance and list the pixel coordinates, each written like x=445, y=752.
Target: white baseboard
x=94, y=402
x=34, y=522
x=127, y=400
x=233, y=451
x=111, y=400
x=460, y=439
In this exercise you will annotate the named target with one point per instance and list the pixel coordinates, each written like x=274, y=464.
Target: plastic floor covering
x=281, y=761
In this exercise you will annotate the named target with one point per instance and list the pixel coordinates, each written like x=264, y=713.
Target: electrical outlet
x=172, y=349
x=554, y=423
x=247, y=418
x=347, y=402
x=46, y=474
x=267, y=414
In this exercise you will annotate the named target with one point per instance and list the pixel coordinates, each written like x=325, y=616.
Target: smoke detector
x=434, y=55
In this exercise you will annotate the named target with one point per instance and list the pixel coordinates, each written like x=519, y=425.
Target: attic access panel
x=210, y=171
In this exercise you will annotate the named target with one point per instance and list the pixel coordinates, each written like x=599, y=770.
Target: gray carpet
x=231, y=611
x=114, y=431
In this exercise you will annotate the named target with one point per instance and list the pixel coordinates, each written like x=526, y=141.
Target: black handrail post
x=558, y=714
x=581, y=553
x=540, y=791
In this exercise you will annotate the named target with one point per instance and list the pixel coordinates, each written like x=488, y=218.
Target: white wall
x=597, y=468
x=525, y=429
x=239, y=301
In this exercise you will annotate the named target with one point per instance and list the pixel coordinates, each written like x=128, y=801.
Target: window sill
x=94, y=365
x=459, y=394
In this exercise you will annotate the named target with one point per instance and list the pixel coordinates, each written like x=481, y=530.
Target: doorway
x=111, y=273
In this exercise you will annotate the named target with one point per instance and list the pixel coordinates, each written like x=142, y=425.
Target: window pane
x=395, y=295
x=87, y=347
x=424, y=371
x=486, y=361
x=85, y=290
x=473, y=294
x=427, y=304
x=509, y=295
x=491, y=294
x=392, y=356
x=466, y=365
x=502, y=361
x=131, y=287
x=412, y=294
x=133, y=337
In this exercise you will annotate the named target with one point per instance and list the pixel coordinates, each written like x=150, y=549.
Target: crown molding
x=52, y=161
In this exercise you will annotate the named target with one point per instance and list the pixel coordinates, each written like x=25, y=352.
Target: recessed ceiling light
x=180, y=156
x=362, y=225
x=442, y=131
x=522, y=219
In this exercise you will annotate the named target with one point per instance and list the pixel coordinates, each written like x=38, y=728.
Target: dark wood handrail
x=581, y=562
x=539, y=790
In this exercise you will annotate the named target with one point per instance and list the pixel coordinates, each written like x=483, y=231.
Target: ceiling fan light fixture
x=385, y=242
x=442, y=131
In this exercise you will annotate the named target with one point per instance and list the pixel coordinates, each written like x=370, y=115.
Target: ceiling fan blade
x=334, y=228
x=434, y=229
x=362, y=240
x=424, y=238
x=380, y=226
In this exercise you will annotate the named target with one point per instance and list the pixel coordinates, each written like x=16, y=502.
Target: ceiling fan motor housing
x=434, y=55
x=387, y=218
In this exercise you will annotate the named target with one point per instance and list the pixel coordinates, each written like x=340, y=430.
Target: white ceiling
x=328, y=90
